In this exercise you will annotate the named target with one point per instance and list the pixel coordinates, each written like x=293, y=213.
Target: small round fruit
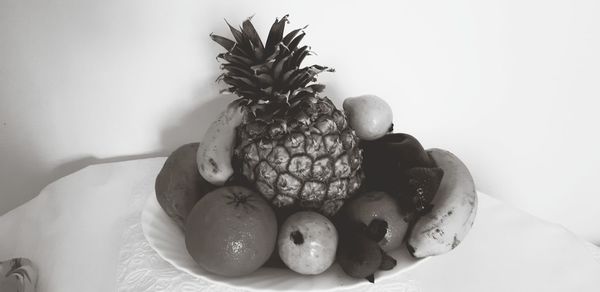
x=379, y=205
x=231, y=231
x=307, y=243
x=358, y=255
x=369, y=116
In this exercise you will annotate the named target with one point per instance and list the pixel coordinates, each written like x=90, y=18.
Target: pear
x=369, y=115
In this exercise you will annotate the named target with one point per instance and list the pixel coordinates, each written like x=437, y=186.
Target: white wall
x=512, y=87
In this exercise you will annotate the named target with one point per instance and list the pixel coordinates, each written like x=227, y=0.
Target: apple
x=398, y=165
x=307, y=242
x=369, y=115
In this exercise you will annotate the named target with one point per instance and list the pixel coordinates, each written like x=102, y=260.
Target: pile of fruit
x=284, y=178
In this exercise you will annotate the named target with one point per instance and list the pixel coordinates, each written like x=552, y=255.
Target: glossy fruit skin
x=387, y=161
x=369, y=115
x=379, y=205
x=178, y=185
x=232, y=231
x=307, y=242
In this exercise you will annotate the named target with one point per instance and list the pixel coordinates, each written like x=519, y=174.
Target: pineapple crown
x=267, y=74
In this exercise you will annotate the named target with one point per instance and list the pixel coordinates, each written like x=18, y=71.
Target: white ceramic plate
x=168, y=240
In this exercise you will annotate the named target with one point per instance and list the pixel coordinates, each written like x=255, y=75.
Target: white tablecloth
x=83, y=234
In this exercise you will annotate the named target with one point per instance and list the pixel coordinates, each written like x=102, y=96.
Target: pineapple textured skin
x=310, y=160
x=294, y=146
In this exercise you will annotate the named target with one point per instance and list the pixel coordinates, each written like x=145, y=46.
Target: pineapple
x=294, y=146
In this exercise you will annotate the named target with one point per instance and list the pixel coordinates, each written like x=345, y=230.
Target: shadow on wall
x=21, y=174
x=187, y=127
x=190, y=127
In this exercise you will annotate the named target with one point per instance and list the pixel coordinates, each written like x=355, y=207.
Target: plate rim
x=146, y=211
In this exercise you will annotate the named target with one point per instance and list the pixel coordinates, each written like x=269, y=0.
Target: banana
x=215, y=150
x=453, y=212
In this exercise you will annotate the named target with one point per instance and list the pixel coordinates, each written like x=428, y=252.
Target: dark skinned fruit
x=387, y=262
x=398, y=165
x=179, y=185
x=358, y=255
x=424, y=182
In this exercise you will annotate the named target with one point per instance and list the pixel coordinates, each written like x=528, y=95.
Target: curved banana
x=453, y=212
x=215, y=150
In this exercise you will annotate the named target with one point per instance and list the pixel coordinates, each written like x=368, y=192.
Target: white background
x=511, y=87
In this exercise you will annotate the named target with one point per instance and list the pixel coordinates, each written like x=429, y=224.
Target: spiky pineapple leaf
x=270, y=72
x=275, y=34
x=237, y=59
x=247, y=81
x=264, y=68
x=293, y=45
x=239, y=38
x=278, y=67
x=317, y=87
x=254, y=41
x=288, y=37
x=296, y=76
x=265, y=79
x=238, y=70
x=244, y=45
x=249, y=30
x=307, y=74
x=274, y=53
x=299, y=55
x=223, y=41
x=286, y=76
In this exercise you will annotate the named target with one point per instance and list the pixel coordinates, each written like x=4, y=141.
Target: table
x=83, y=234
